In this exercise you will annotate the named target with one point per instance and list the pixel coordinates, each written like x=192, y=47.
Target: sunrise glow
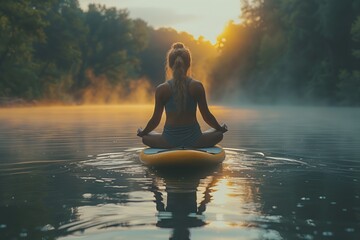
x=199, y=18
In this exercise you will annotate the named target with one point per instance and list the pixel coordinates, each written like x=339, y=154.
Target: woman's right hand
x=224, y=128
x=139, y=132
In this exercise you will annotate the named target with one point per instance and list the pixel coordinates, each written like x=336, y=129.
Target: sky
x=205, y=18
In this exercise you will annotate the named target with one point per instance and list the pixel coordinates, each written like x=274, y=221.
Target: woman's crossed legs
x=209, y=138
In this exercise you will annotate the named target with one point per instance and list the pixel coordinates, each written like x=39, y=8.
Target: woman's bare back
x=185, y=118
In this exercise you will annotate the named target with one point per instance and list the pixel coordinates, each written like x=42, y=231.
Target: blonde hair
x=178, y=62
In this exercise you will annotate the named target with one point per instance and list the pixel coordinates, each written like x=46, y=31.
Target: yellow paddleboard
x=182, y=156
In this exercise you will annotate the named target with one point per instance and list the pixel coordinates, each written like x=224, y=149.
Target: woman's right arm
x=208, y=117
x=158, y=111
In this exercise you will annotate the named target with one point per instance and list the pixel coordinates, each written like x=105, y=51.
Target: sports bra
x=171, y=106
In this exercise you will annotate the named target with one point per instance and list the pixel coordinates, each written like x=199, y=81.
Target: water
x=74, y=173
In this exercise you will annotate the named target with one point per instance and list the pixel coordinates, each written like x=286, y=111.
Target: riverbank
x=16, y=102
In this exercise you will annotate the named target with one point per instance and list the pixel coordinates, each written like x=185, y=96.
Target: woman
x=180, y=97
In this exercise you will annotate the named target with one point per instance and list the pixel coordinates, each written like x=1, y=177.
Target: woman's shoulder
x=163, y=86
x=196, y=87
x=195, y=84
x=163, y=89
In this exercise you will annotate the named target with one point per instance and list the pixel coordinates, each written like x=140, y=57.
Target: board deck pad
x=210, y=150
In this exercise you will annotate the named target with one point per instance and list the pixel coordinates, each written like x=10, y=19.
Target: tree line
x=297, y=51
x=54, y=50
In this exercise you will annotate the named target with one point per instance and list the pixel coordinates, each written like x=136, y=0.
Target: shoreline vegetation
x=14, y=102
x=294, y=52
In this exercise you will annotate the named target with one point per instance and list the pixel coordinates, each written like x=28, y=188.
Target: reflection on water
x=181, y=211
x=74, y=172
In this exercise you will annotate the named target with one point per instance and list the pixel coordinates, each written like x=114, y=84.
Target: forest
x=302, y=52
x=282, y=51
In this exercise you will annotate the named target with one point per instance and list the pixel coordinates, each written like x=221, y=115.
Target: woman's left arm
x=157, y=114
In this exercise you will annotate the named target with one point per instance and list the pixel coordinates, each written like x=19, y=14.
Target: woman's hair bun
x=178, y=45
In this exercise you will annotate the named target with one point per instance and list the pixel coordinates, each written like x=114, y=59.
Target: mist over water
x=74, y=172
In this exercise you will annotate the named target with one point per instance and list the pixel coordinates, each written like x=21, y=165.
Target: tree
x=59, y=57
x=349, y=84
x=21, y=25
x=288, y=50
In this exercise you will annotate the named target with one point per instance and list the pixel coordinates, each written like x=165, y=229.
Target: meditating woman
x=180, y=97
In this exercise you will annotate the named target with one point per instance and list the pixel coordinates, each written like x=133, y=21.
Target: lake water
x=74, y=173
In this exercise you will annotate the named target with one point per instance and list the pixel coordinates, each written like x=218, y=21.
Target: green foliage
x=294, y=50
x=106, y=44
x=52, y=49
x=302, y=51
x=355, y=33
x=60, y=55
x=21, y=26
x=349, y=87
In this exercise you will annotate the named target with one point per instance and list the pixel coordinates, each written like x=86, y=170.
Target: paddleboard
x=182, y=156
